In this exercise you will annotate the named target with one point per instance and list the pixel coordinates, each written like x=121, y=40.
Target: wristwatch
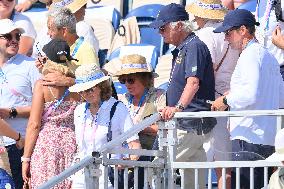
x=13, y=112
x=225, y=101
x=180, y=106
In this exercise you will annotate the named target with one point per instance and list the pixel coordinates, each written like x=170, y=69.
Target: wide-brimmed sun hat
x=134, y=63
x=278, y=156
x=87, y=76
x=8, y=25
x=210, y=9
x=73, y=5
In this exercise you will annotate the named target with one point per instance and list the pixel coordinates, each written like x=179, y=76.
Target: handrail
x=229, y=113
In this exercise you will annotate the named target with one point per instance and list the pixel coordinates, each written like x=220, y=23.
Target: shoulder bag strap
x=222, y=60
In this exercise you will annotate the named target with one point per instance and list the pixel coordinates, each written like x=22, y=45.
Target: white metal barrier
x=163, y=169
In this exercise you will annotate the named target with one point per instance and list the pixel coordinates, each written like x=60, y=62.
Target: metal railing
x=162, y=171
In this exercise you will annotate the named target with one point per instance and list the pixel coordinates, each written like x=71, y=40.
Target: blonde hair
x=51, y=66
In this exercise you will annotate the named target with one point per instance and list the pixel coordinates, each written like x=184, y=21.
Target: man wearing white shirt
x=256, y=84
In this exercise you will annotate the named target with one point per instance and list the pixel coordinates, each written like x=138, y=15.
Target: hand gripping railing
x=91, y=159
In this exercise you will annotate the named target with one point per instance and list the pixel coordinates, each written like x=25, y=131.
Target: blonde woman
x=52, y=144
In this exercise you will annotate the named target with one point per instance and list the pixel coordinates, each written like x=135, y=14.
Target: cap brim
x=276, y=157
x=87, y=85
x=222, y=29
x=157, y=24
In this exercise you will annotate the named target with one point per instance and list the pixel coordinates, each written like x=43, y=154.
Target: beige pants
x=190, y=149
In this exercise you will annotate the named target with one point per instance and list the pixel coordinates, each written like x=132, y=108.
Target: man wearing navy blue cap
x=256, y=84
x=191, y=84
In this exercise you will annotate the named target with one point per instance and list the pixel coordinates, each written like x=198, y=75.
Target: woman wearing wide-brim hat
x=142, y=98
x=93, y=117
x=209, y=14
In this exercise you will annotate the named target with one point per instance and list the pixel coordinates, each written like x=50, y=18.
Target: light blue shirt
x=17, y=80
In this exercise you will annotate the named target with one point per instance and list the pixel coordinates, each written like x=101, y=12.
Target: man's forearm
x=189, y=91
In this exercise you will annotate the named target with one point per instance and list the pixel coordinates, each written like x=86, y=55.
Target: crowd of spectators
x=58, y=105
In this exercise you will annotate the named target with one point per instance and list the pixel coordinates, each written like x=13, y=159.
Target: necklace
x=133, y=113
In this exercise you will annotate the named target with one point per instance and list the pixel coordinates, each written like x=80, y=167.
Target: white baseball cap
x=279, y=148
x=8, y=25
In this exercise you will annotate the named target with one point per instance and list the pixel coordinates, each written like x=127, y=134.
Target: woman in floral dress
x=51, y=132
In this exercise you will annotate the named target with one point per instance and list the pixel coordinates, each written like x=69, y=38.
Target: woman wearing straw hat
x=51, y=131
x=93, y=119
x=208, y=14
x=142, y=99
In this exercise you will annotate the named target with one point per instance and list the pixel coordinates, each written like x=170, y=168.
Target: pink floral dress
x=55, y=146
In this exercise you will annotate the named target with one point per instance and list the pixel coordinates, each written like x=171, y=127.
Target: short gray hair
x=63, y=17
x=188, y=26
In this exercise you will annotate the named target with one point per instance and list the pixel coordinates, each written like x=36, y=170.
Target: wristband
x=225, y=101
x=24, y=159
x=19, y=138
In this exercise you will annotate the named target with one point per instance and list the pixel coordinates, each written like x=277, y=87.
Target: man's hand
x=40, y=62
x=22, y=7
x=57, y=79
x=4, y=113
x=169, y=112
x=218, y=104
x=278, y=38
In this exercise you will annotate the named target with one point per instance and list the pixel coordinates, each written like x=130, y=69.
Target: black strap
x=112, y=111
x=278, y=11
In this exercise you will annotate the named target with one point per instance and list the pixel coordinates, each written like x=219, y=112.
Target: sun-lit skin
x=53, y=32
x=6, y=8
x=80, y=14
x=10, y=48
x=92, y=95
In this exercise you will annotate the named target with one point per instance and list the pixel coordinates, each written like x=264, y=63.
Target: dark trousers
x=15, y=163
x=282, y=71
x=244, y=151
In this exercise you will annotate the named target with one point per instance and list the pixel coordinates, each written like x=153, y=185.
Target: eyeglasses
x=128, y=80
x=9, y=36
x=229, y=30
x=87, y=91
x=162, y=29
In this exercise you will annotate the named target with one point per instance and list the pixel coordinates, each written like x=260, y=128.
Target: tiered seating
x=139, y=3
x=118, y=4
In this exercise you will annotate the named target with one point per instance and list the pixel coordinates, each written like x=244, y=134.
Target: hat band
x=210, y=6
x=92, y=78
x=136, y=66
x=63, y=3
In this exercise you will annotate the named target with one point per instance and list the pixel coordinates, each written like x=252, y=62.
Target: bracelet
x=19, y=138
x=24, y=159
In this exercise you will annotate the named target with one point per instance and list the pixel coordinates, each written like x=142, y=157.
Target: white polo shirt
x=256, y=84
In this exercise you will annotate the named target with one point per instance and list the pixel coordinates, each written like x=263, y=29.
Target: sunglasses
x=87, y=91
x=9, y=36
x=233, y=28
x=162, y=29
x=128, y=80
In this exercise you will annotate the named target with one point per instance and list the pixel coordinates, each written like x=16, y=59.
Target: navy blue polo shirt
x=192, y=59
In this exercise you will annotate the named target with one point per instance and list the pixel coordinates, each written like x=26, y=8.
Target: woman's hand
x=26, y=171
x=20, y=144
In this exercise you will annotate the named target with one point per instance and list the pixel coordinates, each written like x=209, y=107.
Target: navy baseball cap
x=235, y=18
x=170, y=13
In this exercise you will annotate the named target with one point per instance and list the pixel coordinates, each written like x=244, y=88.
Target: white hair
x=187, y=25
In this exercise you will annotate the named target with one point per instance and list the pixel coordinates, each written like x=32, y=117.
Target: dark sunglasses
x=9, y=36
x=229, y=30
x=128, y=80
x=162, y=29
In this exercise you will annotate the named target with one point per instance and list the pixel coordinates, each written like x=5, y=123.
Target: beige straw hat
x=87, y=76
x=211, y=9
x=73, y=5
x=133, y=63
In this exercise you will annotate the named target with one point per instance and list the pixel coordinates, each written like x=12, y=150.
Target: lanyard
x=134, y=113
x=78, y=44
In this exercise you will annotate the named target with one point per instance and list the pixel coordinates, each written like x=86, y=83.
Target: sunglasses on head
x=128, y=80
x=9, y=36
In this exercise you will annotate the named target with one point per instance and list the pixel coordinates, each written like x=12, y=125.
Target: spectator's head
x=6, y=8
x=58, y=57
x=173, y=24
x=61, y=23
x=278, y=156
x=10, y=35
x=92, y=84
x=205, y=10
x=239, y=28
x=135, y=74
